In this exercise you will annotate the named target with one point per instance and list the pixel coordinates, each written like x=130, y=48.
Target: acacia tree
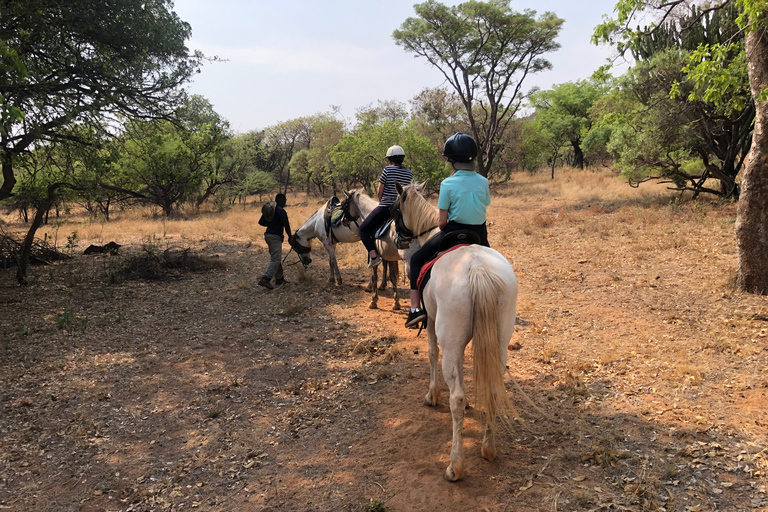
x=485, y=50
x=68, y=62
x=716, y=83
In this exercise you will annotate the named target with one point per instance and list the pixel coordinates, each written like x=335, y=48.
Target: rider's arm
x=442, y=220
x=380, y=191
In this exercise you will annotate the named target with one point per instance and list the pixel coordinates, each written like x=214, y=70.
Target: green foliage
x=686, y=112
x=165, y=163
x=73, y=62
x=359, y=157
x=563, y=113
x=484, y=50
x=65, y=319
x=376, y=506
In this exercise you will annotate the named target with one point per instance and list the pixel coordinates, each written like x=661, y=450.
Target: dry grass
x=211, y=392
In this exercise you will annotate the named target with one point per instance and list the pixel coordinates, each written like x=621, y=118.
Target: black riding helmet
x=460, y=148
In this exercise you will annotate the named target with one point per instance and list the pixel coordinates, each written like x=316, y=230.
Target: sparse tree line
x=92, y=110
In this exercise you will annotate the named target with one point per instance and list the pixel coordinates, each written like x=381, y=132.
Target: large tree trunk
x=9, y=180
x=752, y=213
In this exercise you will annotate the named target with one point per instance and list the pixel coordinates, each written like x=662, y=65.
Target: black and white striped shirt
x=390, y=175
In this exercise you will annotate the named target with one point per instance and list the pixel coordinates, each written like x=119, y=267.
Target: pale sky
x=295, y=58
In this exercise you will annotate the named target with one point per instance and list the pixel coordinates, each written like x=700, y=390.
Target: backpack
x=267, y=212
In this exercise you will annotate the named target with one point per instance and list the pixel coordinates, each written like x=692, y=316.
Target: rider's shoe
x=265, y=282
x=415, y=318
x=374, y=261
x=281, y=281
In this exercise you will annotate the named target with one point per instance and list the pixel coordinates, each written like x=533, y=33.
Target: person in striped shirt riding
x=387, y=193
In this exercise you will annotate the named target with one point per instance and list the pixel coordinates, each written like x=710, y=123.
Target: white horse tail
x=486, y=287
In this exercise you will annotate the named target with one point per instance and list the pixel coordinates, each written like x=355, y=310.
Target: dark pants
x=368, y=227
x=429, y=249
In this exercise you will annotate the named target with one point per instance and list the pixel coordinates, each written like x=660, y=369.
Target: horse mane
x=424, y=215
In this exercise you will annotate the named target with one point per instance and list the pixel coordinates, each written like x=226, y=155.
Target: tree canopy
x=71, y=62
x=485, y=50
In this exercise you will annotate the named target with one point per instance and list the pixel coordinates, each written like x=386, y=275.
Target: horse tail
x=486, y=287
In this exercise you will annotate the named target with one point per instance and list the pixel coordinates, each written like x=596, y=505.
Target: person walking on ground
x=274, y=238
x=462, y=202
x=387, y=193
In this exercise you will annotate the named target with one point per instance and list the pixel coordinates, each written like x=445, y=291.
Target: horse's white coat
x=361, y=206
x=472, y=295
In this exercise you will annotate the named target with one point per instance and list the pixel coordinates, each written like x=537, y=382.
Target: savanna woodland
x=153, y=373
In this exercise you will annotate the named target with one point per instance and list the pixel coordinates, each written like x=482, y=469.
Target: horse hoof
x=396, y=307
x=373, y=305
x=452, y=474
x=488, y=452
x=382, y=288
x=368, y=289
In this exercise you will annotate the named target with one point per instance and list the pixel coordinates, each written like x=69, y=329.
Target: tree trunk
x=26, y=246
x=752, y=212
x=578, y=155
x=9, y=180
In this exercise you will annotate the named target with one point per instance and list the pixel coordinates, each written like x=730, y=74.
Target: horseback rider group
x=462, y=202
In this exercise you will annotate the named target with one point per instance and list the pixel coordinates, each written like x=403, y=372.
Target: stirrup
x=415, y=318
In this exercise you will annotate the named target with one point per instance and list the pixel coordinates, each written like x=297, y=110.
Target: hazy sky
x=294, y=58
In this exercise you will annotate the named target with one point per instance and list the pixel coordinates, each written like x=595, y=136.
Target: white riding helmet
x=395, y=151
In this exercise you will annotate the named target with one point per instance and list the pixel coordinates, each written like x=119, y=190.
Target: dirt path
x=208, y=392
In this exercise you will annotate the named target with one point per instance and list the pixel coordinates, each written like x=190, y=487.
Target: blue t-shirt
x=466, y=196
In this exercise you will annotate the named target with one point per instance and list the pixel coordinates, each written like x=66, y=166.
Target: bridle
x=403, y=235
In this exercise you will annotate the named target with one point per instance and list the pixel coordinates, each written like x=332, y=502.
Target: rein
x=404, y=234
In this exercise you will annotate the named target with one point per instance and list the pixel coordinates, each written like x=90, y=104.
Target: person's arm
x=442, y=219
x=287, y=224
x=380, y=191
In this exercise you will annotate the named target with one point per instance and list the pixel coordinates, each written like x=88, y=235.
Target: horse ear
x=347, y=194
x=399, y=187
x=421, y=187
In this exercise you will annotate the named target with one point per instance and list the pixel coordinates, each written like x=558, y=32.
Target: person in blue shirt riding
x=462, y=202
x=387, y=194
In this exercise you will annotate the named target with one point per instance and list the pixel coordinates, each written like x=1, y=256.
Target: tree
x=674, y=132
x=76, y=61
x=752, y=213
x=485, y=51
x=566, y=108
x=167, y=162
x=438, y=114
x=69, y=63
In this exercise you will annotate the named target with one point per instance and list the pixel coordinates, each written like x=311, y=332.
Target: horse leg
x=384, y=275
x=433, y=395
x=394, y=271
x=453, y=362
x=375, y=297
x=334, y=264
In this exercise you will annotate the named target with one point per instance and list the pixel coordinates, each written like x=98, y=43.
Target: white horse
x=471, y=295
x=357, y=205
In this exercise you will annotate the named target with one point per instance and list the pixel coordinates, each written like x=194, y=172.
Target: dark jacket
x=279, y=222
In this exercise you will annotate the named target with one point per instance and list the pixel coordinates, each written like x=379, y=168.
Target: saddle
x=383, y=230
x=334, y=213
x=450, y=241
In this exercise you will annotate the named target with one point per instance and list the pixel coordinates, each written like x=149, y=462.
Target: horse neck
x=425, y=218
x=365, y=204
x=310, y=229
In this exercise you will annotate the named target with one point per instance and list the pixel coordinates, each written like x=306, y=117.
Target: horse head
x=302, y=249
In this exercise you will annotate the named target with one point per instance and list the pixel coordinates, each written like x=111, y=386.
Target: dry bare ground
x=204, y=391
